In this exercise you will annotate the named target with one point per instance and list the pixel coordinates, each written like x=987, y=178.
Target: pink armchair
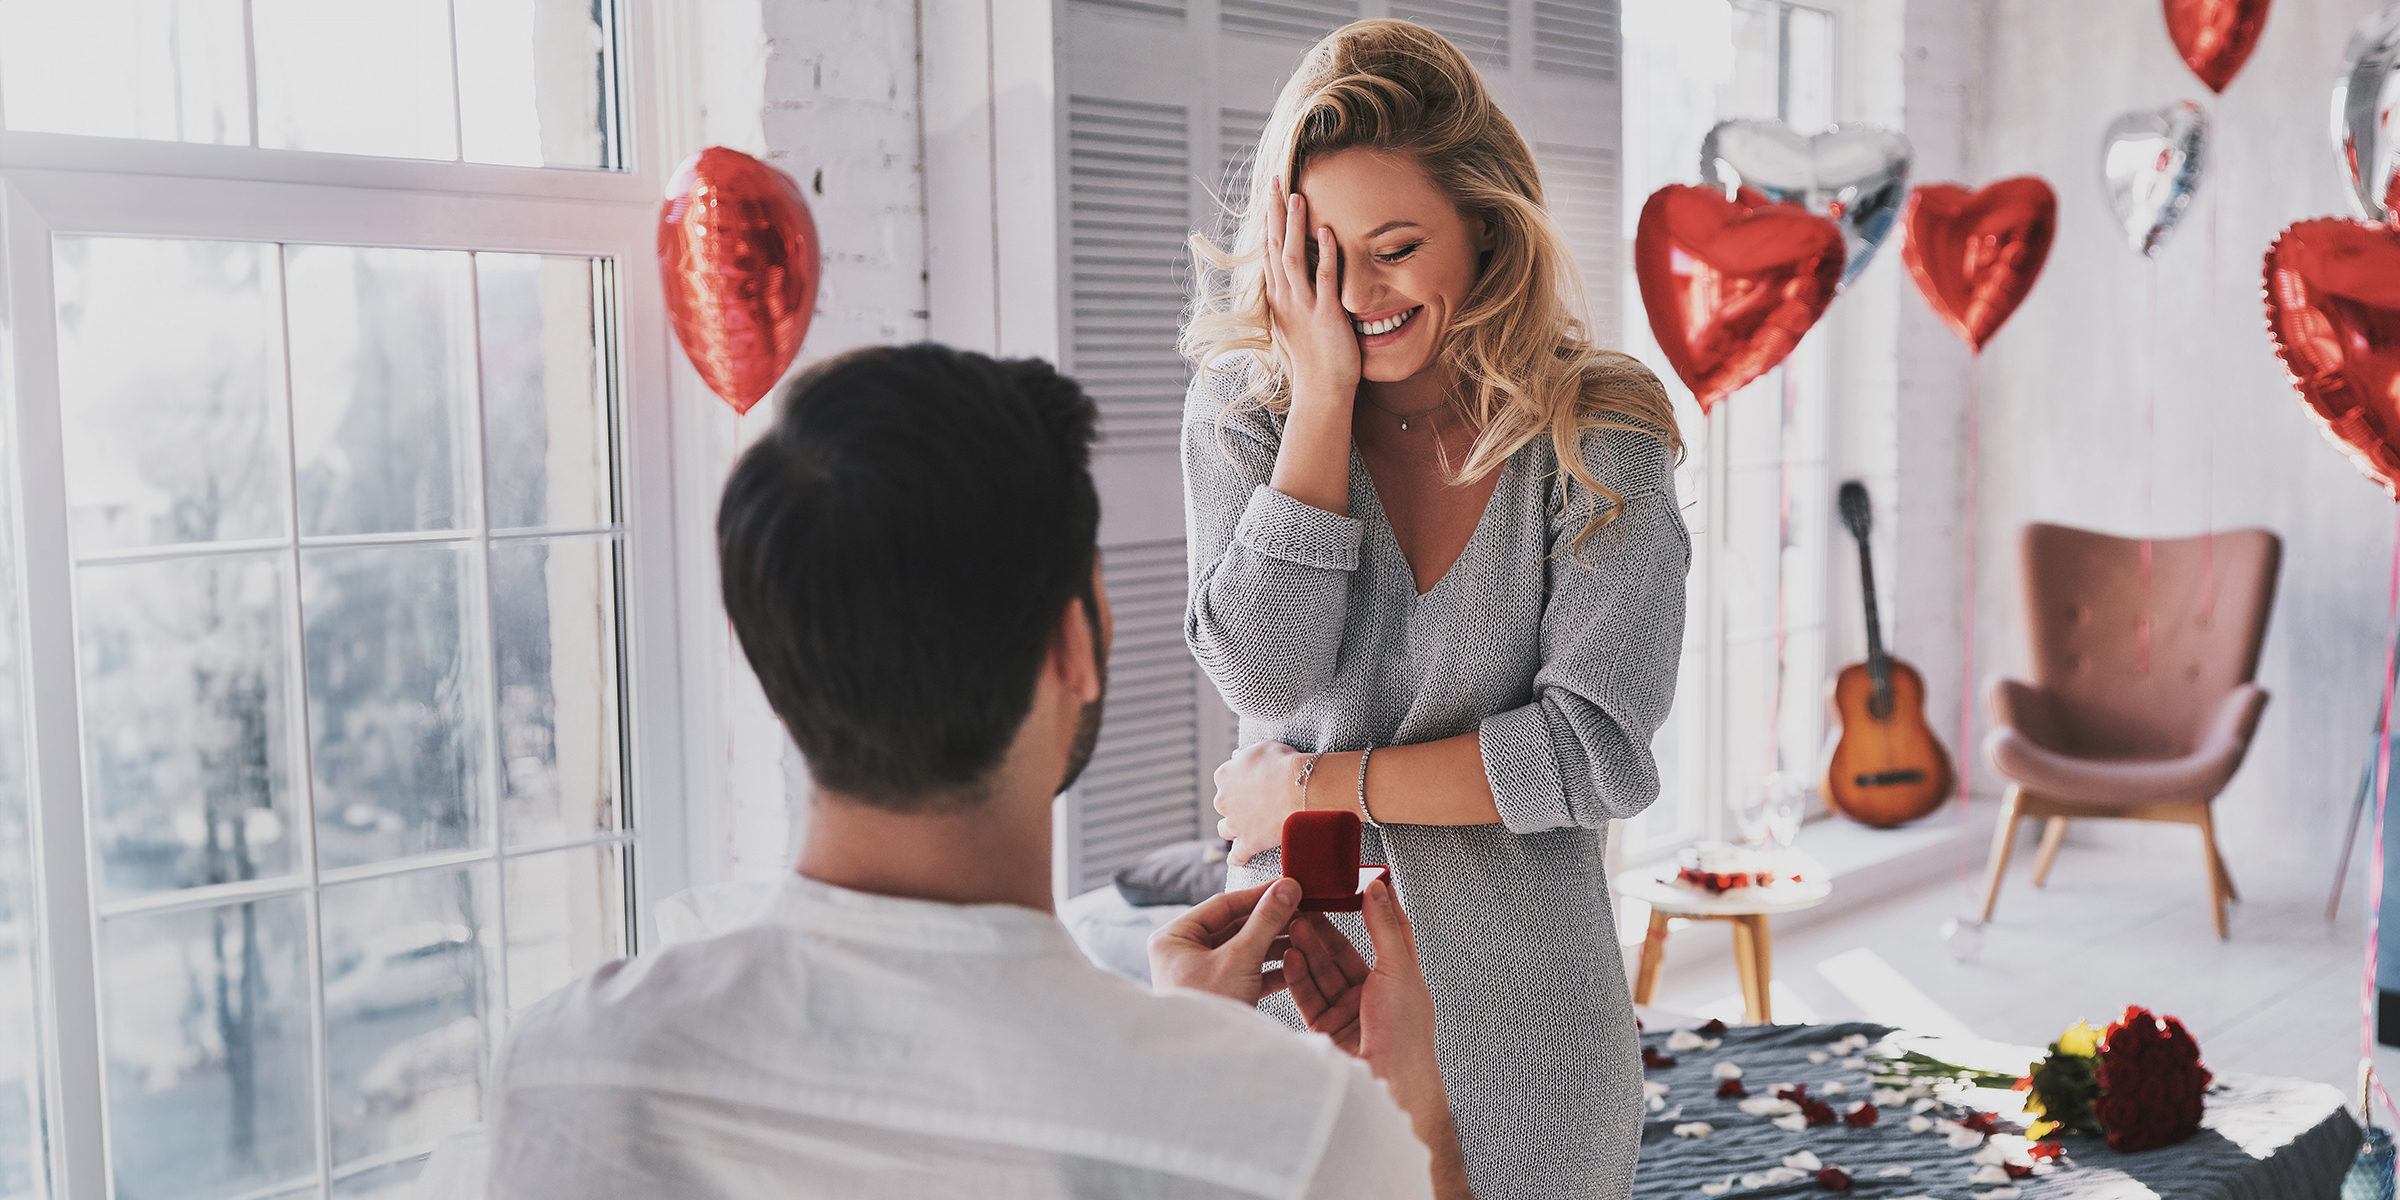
x=2108, y=728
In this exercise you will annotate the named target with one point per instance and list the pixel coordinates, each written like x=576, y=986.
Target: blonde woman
x=1437, y=568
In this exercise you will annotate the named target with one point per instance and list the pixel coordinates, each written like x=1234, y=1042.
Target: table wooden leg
x=1753, y=956
x=1654, y=956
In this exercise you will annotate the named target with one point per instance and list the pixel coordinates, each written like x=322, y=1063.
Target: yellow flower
x=2080, y=1040
x=2041, y=1129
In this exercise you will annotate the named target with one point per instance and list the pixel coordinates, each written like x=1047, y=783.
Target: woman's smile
x=1385, y=329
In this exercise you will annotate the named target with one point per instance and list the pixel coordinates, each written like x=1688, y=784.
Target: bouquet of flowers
x=2139, y=1083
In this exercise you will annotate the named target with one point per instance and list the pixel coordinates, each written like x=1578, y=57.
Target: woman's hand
x=1256, y=789
x=1305, y=305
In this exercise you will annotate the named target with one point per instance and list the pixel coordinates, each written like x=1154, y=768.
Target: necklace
x=1405, y=418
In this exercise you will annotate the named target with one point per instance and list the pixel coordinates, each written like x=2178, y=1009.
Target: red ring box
x=1320, y=849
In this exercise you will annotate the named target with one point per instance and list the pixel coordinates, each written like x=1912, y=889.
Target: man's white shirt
x=842, y=1044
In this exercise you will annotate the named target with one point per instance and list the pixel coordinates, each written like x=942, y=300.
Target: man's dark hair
x=895, y=554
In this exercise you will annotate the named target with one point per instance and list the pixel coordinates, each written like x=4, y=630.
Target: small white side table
x=1747, y=909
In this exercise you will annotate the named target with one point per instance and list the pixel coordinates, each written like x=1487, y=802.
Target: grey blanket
x=2263, y=1137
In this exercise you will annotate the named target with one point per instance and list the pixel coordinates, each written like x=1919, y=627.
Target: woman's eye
x=1399, y=254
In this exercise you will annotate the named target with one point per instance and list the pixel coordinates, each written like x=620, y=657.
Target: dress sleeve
x=1612, y=640
x=1270, y=576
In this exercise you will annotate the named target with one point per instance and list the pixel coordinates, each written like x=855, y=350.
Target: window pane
x=396, y=702
x=356, y=76
x=407, y=985
x=1755, y=86
x=188, y=720
x=566, y=915
x=530, y=75
x=208, y=1049
x=545, y=421
x=22, y=1170
x=1809, y=51
x=392, y=1181
x=383, y=377
x=170, y=361
x=554, y=622
x=171, y=70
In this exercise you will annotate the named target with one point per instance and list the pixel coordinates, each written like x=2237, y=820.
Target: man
x=909, y=559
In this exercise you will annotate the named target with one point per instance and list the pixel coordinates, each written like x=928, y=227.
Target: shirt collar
x=924, y=925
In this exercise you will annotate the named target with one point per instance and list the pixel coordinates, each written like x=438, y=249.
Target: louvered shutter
x=1164, y=102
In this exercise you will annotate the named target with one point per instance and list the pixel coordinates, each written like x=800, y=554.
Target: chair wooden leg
x=2218, y=880
x=2054, y=831
x=1654, y=956
x=2004, y=836
x=1753, y=955
x=2225, y=877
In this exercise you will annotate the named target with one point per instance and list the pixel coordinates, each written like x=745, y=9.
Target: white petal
x=1785, y=1174
x=1794, y=1122
x=1923, y=1103
x=1896, y=1172
x=1836, y=1088
x=1768, y=1106
x=1683, y=1039
x=1755, y=1179
x=1652, y=1089
x=1854, y=1064
x=1712, y=1043
x=1964, y=1139
x=1657, y=1105
x=1726, y=1070
x=1990, y=1173
x=1694, y=1129
x=1715, y=1189
x=1804, y=1160
x=1998, y=1193
x=1988, y=1156
x=1919, y=1124
x=1818, y=1056
x=1886, y=1096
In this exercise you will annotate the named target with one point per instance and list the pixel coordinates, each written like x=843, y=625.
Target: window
x=1755, y=482
x=332, y=434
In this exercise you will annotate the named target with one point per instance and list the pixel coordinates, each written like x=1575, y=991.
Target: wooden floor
x=2115, y=926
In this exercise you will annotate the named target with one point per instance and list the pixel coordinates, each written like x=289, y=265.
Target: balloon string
x=1783, y=541
x=1966, y=608
x=2383, y=787
x=2208, y=431
x=2149, y=455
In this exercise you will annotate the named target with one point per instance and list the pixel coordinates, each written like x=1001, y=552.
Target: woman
x=1437, y=568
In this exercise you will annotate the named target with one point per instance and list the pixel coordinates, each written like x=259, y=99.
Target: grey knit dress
x=1311, y=627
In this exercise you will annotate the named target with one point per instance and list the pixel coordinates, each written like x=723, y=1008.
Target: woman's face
x=1408, y=257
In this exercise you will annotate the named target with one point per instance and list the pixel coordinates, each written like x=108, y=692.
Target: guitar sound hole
x=1891, y=778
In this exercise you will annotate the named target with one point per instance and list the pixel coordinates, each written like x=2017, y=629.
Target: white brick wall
x=827, y=91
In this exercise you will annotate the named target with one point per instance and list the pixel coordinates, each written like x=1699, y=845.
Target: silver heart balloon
x=2151, y=161
x=1856, y=175
x=2366, y=115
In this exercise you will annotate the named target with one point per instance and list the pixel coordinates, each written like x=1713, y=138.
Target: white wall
x=2034, y=82
x=827, y=91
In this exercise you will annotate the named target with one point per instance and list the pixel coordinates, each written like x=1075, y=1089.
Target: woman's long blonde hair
x=1518, y=344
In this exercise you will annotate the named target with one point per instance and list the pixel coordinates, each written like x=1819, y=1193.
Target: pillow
x=1184, y=873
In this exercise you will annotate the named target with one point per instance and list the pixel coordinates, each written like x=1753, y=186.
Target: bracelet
x=1363, y=811
x=1307, y=768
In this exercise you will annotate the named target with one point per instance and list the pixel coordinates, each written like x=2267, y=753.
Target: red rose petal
x=1732, y=1089
x=1714, y=1028
x=1818, y=1112
x=1652, y=1060
x=1862, y=1116
x=2015, y=1171
x=2045, y=1151
x=1834, y=1179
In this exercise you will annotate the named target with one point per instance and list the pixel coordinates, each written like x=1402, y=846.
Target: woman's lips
x=1394, y=334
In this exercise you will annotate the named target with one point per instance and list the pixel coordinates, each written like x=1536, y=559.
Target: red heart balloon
x=2216, y=37
x=2333, y=311
x=1975, y=254
x=1731, y=285
x=737, y=252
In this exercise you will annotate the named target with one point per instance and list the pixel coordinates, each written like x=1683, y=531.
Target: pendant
x=1404, y=424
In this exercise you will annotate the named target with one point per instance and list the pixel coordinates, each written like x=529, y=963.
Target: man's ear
x=1074, y=656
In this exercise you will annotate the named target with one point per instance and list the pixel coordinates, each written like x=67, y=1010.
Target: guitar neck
x=1877, y=662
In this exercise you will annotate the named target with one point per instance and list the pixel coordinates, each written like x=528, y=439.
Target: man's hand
x=1224, y=943
x=1382, y=1014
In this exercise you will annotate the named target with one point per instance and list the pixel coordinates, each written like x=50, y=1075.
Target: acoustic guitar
x=1887, y=768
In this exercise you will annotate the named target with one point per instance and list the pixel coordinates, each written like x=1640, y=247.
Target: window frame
x=55, y=184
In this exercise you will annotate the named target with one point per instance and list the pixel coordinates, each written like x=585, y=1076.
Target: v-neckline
x=1392, y=536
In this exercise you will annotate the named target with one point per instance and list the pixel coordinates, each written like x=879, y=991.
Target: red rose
x=2151, y=1082
x=1731, y=1089
x=1834, y=1179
